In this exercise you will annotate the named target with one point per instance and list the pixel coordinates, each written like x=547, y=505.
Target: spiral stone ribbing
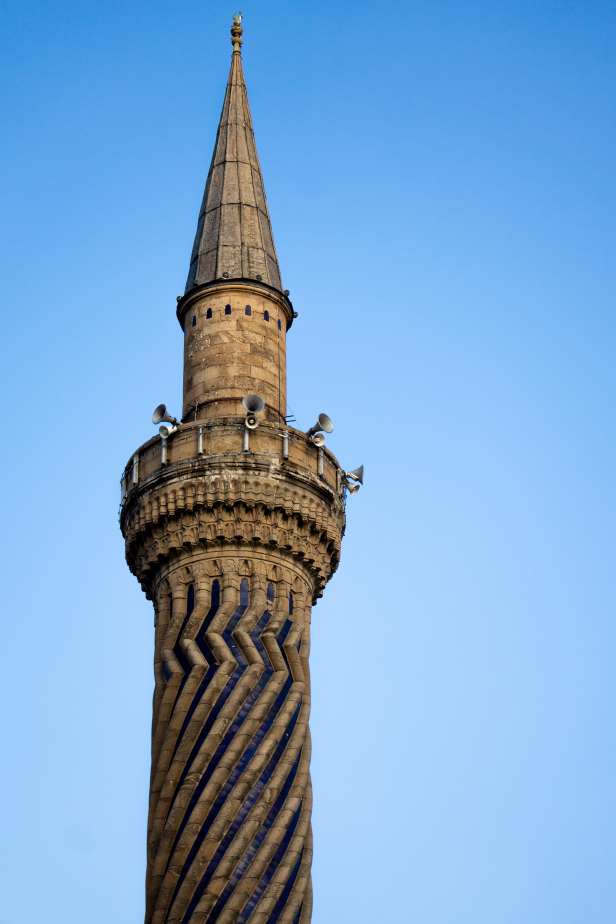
x=230, y=787
x=233, y=535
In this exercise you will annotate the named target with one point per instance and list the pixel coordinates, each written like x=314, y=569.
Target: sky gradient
x=441, y=184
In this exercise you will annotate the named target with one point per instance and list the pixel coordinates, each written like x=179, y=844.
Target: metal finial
x=236, y=32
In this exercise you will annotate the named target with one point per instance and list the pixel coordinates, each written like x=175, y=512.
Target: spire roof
x=234, y=234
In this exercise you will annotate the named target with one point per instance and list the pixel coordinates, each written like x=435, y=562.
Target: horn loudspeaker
x=323, y=423
x=161, y=414
x=254, y=404
x=357, y=474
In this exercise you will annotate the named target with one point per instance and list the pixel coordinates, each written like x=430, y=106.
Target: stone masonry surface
x=233, y=534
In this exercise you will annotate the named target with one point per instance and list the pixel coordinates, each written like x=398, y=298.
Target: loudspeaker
x=357, y=474
x=254, y=404
x=161, y=414
x=323, y=423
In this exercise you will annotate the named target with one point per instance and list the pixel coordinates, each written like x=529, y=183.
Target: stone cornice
x=235, y=285
x=297, y=469
x=245, y=506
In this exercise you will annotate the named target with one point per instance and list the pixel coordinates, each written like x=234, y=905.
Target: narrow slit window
x=194, y=320
x=248, y=309
x=266, y=315
x=244, y=592
x=279, y=324
x=227, y=309
x=290, y=604
x=208, y=313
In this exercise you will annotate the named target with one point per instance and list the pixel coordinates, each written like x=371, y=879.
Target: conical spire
x=234, y=236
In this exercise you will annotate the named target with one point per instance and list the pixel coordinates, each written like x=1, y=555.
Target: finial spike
x=234, y=242
x=236, y=33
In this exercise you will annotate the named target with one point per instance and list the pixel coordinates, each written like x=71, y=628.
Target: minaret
x=232, y=523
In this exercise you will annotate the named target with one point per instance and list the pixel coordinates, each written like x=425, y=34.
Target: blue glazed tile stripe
x=248, y=754
x=241, y=817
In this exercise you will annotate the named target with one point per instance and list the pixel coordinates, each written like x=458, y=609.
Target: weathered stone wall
x=223, y=440
x=229, y=824
x=233, y=692
x=258, y=504
x=229, y=355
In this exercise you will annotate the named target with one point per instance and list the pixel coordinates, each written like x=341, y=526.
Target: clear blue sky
x=441, y=181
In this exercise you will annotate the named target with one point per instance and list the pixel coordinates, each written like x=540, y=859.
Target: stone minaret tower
x=233, y=533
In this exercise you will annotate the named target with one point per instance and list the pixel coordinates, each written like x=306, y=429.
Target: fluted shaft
x=229, y=832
